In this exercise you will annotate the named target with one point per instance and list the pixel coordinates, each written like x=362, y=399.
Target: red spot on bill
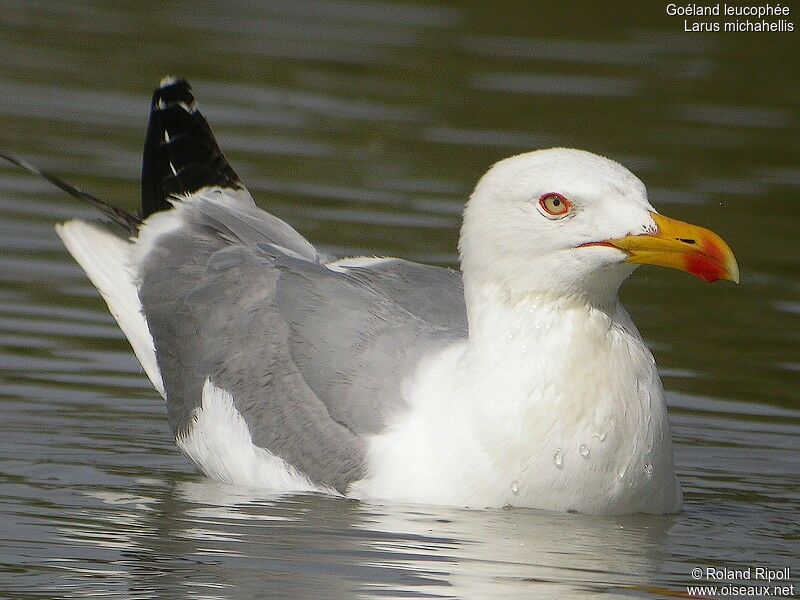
x=704, y=267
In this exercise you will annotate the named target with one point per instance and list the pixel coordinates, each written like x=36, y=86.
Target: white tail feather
x=106, y=258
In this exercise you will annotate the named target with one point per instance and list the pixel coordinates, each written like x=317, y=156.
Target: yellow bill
x=681, y=246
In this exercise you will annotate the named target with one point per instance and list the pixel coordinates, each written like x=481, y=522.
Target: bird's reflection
x=201, y=538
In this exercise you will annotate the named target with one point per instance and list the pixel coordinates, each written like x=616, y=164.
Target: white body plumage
x=559, y=408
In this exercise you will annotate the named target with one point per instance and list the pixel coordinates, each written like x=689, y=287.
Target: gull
x=519, y=381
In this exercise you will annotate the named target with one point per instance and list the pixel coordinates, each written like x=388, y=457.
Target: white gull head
x=565, y=223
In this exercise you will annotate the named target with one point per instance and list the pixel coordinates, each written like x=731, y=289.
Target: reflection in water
x=234, y=541
x=365, y=124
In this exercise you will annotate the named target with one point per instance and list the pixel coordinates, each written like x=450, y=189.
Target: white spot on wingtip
x=167, y=81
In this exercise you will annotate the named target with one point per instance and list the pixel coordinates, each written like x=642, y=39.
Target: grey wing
x=434, y=294
x=355, y=335
x=313, y=358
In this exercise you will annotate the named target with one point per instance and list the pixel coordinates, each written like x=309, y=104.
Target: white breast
x=556, y=409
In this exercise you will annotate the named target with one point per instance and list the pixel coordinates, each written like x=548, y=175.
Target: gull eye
x=554, y=206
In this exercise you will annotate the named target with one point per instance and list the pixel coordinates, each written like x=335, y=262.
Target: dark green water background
x=365, y=125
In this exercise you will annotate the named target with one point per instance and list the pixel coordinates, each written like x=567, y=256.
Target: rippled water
x=366, y=125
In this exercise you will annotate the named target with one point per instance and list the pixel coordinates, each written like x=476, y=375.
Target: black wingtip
x=181, y=155
x=173, y=90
